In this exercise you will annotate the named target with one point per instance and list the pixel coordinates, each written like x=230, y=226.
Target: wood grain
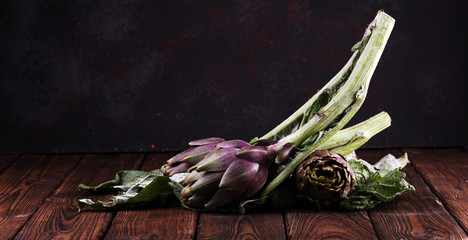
x=163, y=223
x=25, y=184
x=6, y=160
x=268, y=225
x=414, y=215
x=38, y=197
x=328, y=224
x=445, y=171
x=59, y=218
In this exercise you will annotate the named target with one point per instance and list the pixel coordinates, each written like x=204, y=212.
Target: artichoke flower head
x=222, y=172
x=325, y=176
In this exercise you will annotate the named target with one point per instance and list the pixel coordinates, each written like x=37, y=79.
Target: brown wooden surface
x=267, y=225
x=58, y=216
x=416, y=215
x=38, y=197
x=154, y=223
x=25, y=185
x=445, y=171
x=328, y=224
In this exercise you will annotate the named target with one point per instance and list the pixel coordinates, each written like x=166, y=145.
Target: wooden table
x=38, y=200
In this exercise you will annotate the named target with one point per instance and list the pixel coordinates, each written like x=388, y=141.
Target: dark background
x=118, y=76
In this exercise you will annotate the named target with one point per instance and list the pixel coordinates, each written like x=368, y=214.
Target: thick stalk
x=350, y=139
x=304, y=108
x=345, y=103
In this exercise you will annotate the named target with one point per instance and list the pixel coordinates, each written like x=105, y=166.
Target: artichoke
x=186, y=159
x=221, y=172
x=325, y=176
x=217, y=172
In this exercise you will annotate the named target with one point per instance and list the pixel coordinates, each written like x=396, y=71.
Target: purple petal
x=205, y=149
x=178, y=158
x=182, y=167
x=217, y=161
x=194, y=159
x=185, y=192
x=253, y=154
x=207, y=183
x=257, y=182
x=199, y=154
x=197, y=200
x=233, y=144
x=239, y=175
x=192, y=177
x=205, y=141
x=283, y=154
x=222, y=197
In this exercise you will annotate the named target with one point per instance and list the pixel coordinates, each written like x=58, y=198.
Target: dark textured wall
x=104, y=76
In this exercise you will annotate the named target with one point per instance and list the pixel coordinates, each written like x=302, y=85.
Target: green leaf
x=143, y=189
x=381, y=182
x=363, y=171
x=358, y=201
x=377, y=189
x=388, y=187
x=121, y=178
x=389, y=162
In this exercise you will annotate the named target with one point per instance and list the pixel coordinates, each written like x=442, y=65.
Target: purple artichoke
x=325, y=176
x=186, y=159
x=220, y=172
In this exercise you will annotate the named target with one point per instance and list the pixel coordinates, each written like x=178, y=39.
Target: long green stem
x=304, y=108
x=346, y=102
x=348, y=140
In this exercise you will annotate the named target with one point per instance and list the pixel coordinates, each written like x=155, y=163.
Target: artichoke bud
x=280, y=151
x=220, y=172
x=186, y=159
x=325, y=176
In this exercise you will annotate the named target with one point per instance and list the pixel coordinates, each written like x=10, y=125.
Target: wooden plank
x=163, y=223
x=267, y=225
x=25, y=184
x=444, y=170
x=258, y=225
x=328, y=224
x=6, y=160
x=414, y=215
x=59, y=218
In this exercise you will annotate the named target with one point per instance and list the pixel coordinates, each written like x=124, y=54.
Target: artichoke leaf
x=378, y=183
x=144, y=189
x=122, y=178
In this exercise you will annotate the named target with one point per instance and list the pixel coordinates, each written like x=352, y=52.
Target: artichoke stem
x=351, y=95
x=350, y=139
